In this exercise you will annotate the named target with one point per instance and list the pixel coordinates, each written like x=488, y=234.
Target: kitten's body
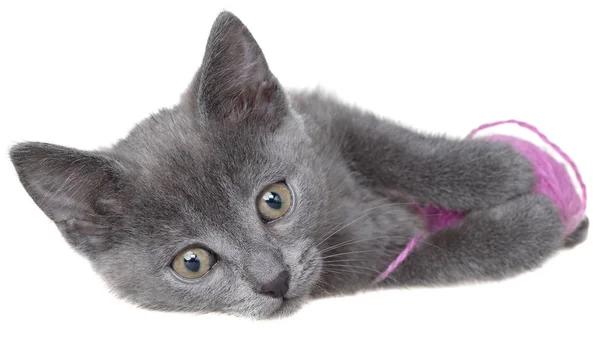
x=190, y=176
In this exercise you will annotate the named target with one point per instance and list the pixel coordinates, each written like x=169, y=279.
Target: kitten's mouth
x=287, y=307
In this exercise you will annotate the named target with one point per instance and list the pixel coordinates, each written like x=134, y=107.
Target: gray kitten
x=249, y=200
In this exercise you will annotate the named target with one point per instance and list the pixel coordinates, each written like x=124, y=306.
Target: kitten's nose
x=278, y=287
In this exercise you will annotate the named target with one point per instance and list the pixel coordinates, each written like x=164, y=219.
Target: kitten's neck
x=373, y=229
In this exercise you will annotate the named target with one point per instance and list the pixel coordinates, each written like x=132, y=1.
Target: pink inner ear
x=265, y=92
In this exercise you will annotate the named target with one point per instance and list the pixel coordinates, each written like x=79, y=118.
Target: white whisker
x=367, y=212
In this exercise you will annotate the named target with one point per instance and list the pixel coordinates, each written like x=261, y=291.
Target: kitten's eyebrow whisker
x=337, y=189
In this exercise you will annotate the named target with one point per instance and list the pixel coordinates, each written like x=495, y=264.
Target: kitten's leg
x=458, y=174
x=488, y=244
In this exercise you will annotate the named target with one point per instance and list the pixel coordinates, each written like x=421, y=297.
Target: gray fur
x=190, y=175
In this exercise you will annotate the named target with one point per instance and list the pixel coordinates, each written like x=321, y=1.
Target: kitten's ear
x=234, y=82
x=78, y=190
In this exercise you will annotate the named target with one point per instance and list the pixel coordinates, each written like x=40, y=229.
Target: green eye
x=193, y=262
x=274, y=201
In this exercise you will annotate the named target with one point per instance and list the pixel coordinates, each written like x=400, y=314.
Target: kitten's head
x=212, y=206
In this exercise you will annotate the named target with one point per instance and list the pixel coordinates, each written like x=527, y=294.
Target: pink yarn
x=553, y=181
x=409, y=247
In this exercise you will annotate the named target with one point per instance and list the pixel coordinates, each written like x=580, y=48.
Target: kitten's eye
x=193, y=263
x=274, y=201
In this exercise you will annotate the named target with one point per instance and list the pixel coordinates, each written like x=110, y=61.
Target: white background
x=82, y=75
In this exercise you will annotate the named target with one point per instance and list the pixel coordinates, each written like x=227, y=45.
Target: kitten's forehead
x=177, y=140
x=177, y=162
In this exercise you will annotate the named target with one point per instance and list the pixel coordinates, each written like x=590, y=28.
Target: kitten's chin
x=286, y=308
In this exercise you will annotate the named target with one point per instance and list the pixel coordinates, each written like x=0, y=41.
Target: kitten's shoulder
x=331, y=115
x=317, y=103
x=323, y=107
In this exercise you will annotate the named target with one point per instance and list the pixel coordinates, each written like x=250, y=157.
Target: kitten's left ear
x=234, y=82
x=78, y=190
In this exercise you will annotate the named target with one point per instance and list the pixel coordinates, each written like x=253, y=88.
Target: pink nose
x=278, y=287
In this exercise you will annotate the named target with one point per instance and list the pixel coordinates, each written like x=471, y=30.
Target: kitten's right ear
x=78, y=190
x=234, y=82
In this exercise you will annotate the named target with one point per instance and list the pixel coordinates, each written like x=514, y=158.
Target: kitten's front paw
x=499, y=173
x=485, y=174
x=579, y=234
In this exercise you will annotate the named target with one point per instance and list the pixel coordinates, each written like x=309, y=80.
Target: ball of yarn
x=552, y=180
x=552, y=177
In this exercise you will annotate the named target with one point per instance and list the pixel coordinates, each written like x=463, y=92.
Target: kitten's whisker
x=346, y=260
x=327, y=292
x=331, y=285
x=389, y=251
x=367, y=211
x=350, y=242
x=362, y=267
x=342, y=278
x=346, y=272
x=361, y=212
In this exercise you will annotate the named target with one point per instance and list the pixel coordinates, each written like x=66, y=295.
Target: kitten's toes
x=579, y=235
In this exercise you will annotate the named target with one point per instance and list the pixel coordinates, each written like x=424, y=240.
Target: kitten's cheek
x=306, y=276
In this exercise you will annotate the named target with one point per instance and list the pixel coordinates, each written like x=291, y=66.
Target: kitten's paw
x=492, y=173
x=579, y=234
x=510, y=174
